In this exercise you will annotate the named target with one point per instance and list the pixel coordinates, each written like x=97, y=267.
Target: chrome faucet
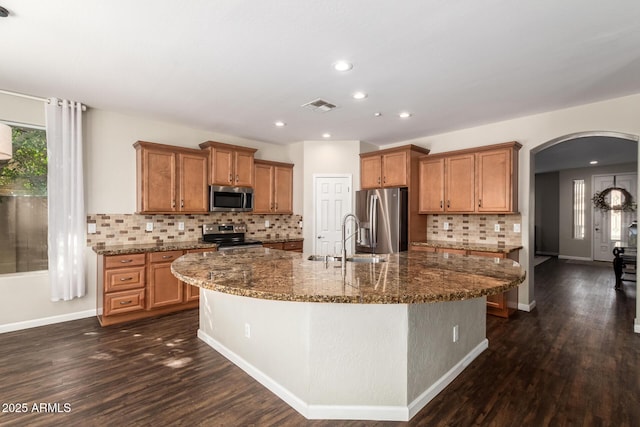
x=343, y=258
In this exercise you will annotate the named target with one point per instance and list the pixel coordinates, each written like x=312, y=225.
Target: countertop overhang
x=405, y=278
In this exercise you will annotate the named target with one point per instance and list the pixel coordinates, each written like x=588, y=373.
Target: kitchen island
x=371, y=341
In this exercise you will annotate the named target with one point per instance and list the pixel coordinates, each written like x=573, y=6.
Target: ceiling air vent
x=319, y=105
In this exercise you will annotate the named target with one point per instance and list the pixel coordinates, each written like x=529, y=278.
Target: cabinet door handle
x=479, y=203
x=378, y=180
x=125, y=302
x=124, y=279
x=126, y=261
x=441, y=204
x=182, y=203
x=173, y=204
x=448, y=203
x=230, y=178
x=276, y=206
x=384, y=180
x=237, y=178
x=167, y=256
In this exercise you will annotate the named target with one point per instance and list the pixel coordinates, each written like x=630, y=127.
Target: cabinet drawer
x=120, y=279
x=292, y=246
x=273, y=245
x=117, y=261
x=166, y=256
x=452, y=251
x=488, y=254
x=419, y=248
x=123, y=302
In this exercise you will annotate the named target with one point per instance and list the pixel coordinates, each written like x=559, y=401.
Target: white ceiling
x=236, y=66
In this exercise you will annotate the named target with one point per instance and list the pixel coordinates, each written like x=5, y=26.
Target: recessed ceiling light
x=280, y=123
x=404, y=115
x=359, y=95
x=593, y=162
x=3, y=12
x=326, y=135
x=342, y=65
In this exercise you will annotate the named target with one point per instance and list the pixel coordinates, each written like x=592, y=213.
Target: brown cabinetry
x=388, y=168
x=295, y=246
x=136, y=286
x=396, y=167
x=170, y=179
x=230, y=164
x=273, y=190
x=479, y=180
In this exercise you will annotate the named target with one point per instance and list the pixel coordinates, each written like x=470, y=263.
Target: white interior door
x=333, y=200
x=610, y=227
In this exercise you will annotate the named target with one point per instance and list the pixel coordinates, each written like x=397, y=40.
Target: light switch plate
x=496, y=227
x=516, y=228
x=266, y=223
x=181, y=226
x=91, y=228
x=446, y=225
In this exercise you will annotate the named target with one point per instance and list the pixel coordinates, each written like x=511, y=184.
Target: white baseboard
x=34, y=323
x=346, y=412
x=428, y=395
x=575, y=258
x=527, y=307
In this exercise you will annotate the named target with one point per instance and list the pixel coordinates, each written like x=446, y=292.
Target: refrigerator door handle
x=373, y=227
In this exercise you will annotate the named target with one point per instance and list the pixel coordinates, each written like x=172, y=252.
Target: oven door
x=230, y=199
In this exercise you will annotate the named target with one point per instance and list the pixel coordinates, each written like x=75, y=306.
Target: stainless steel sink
x=325, y=258
x=368, y=259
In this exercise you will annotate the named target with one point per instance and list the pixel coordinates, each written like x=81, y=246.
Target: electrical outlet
x=516, y=228
x=266, y=223
x=149, y=226
x=496, y=227
x=300, y=224
x=247, y=330
x=91, y=228
x=181, y=226
x=446, y=225
x=455, y=333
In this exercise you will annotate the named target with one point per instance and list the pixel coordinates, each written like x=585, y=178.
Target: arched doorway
x=571, y=142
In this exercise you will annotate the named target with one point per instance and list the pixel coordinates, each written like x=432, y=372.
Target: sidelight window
x=578, y=209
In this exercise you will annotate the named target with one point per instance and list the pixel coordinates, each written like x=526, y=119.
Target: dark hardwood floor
x=573, y=361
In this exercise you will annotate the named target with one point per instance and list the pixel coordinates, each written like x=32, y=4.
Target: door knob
x=320, y=237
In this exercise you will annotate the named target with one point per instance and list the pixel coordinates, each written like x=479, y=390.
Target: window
x=578, y=209
x=615, y=219
x=23, y=203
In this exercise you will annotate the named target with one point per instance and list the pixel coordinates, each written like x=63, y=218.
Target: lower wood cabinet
x=136, y=286
x=501, y=305
x=295, y=246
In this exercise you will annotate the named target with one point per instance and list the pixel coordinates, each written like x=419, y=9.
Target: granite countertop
x=468, y=246
x=280, y=239
x=151, y=247
x=408, y=277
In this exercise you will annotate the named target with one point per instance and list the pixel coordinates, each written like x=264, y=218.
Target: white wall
x=110, y=176
x=334, y=157
x=568, y=246
x=616, y=115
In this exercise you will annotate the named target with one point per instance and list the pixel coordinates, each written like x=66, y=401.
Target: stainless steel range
x=228, y=236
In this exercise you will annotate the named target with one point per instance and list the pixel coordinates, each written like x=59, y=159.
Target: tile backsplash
x=475, y=229
x=119, y=229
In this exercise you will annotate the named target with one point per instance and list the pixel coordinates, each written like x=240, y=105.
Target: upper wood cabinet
x=478, y=180
x=388, y=168
x=170, y=179
x=273, y=191
x=230, y=164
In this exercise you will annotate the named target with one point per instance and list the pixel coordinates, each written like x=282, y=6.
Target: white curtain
x=67, y=239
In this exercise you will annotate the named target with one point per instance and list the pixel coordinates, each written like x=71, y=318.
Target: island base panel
x=346, y=361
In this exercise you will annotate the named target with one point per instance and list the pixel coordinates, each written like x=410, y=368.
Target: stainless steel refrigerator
x=383, y=220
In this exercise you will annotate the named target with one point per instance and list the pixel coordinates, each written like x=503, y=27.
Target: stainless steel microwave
x=230, y=199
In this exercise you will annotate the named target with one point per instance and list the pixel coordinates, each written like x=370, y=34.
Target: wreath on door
x=602, y=200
